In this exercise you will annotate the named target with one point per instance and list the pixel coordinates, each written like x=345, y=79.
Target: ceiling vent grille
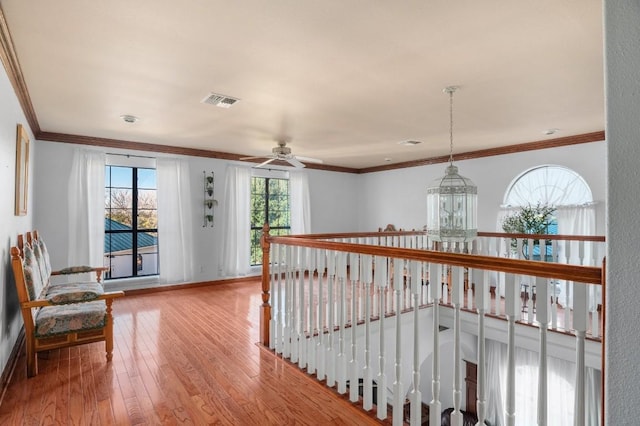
x=221, y=101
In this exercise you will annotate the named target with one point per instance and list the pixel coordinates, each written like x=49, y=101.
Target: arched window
x=549, y=185
x=555, y=186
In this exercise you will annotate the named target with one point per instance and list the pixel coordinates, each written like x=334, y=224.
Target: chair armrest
x=43, y=302
x=99, y=270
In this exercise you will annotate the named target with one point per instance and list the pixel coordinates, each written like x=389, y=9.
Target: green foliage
x=529, y=220
x=269, y=203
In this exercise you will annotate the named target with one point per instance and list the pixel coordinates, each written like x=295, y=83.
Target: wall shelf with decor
x=209, y=201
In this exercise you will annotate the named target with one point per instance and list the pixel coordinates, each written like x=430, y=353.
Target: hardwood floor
x=187, y=356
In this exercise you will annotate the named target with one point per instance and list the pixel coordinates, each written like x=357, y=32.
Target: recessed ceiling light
x=409, y=143
x=129, y=118
x=551, y=131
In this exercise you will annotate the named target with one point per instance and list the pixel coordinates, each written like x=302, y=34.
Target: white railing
x=363, y=308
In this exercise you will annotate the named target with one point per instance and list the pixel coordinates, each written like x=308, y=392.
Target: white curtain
x=175, y=220
x=560, y=388
x=236, y=222
x=496, y=382
x=300, y=203
x=86, y=208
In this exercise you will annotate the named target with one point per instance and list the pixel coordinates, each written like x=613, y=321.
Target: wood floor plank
x=182, y=357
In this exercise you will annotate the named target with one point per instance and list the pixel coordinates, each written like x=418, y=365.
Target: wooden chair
x=61, y=315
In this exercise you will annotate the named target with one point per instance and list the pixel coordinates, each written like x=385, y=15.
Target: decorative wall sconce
x=209, y=201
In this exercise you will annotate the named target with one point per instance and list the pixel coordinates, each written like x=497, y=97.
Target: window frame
x=255, y=230
x=134, y=230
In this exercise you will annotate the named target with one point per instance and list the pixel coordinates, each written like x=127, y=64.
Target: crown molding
x=490, y=152
x=11, y=64
x=170, y=149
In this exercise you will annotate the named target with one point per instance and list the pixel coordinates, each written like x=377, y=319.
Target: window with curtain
x=237, y=255
x=270, y=203
x=131, y=222
x=556, y=186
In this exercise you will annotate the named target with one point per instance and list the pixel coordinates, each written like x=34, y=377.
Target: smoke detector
x=127, y=118
x=218, y=100
x=409, y=143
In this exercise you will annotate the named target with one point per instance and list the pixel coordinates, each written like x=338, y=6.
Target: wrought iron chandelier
x=452, y=200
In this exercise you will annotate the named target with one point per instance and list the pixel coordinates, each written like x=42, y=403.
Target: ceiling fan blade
x=294, y=162
x=265, y=163
x=309, y=160
x=252, y=158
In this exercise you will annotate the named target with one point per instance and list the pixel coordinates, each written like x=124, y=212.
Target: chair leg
x=32, y=358
x=108, y=343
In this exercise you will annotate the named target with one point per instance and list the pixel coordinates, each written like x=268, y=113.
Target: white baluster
x=457, y=296
x=398, y=395
x=322, y=336
x=311, y=341
x=435, y=406
x=542, y=316
x=295, y=332
x=275, y=296
x=553, y=284
x=341, y=363
x=288, y=284
x=580, y=327
x=416, y=396
x=482, y=301
x=354, y=275
x=594, y=300
x=367, y=376
x=381, y=278
x=302, y=341
x=511, y=308
x=330, y=357
x=530, y=304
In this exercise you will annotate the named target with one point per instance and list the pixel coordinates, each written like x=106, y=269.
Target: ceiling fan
x=283, y=152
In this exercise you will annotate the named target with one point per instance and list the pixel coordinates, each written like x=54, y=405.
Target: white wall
x=10, y=225
x=622, y=350
x=399, y=196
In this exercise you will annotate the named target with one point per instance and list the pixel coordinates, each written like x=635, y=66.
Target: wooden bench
x=59, y=315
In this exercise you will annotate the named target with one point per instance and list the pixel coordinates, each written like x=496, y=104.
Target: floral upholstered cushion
x=64, y=319
x=63, y=293
x=45, y=255
x=32, y=276
x=41, y=263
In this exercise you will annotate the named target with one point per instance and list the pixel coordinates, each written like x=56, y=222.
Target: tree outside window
x=270, y=203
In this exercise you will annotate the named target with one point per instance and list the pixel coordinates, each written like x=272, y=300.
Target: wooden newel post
x=265, y=308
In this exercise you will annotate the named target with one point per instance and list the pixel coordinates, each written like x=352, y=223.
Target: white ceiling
x=346, y=80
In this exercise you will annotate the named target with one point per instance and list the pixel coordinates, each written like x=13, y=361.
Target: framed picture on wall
x=22, y=170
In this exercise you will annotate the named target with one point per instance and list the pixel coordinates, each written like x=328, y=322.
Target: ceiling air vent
x=221, y=101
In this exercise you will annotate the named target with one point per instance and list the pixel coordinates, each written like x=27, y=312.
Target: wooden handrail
x=581, y=274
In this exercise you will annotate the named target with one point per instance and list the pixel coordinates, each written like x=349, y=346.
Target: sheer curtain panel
x=86, y=208
x=175, y=220
x=300, y=203
x=234, y=260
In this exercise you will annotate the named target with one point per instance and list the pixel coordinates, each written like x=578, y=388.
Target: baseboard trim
x=7, y=373
x=191, y=285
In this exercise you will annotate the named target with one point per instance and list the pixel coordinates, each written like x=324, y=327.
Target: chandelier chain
x=451, y=90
